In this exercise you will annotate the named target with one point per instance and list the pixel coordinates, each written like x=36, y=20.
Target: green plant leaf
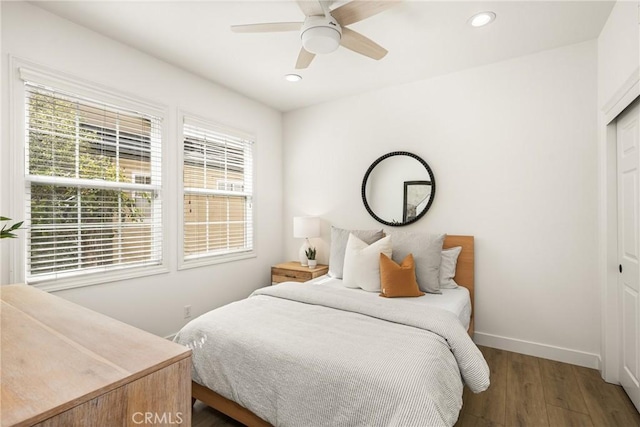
x=6, y=233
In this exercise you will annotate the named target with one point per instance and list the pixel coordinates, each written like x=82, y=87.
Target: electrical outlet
x=187, y=311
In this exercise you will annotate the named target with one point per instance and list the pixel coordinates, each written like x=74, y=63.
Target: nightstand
x=294, y=272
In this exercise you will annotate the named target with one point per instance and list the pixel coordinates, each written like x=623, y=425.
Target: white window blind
x=86, y=211
x=218, y=191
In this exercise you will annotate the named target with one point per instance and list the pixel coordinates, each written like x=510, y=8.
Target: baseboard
x=560, y=354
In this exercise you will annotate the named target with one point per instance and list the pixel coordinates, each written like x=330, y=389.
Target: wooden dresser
x=294, y=272
x=65, y=365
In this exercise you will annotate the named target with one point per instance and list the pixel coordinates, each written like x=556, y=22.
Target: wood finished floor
x=525, y=391
x=529, y=391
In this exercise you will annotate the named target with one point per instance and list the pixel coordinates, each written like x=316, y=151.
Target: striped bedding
x=307, y=355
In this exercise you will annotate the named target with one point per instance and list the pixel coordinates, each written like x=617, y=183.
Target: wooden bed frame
x=464, y=277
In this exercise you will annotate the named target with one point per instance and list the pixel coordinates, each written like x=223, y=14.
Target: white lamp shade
x=306, y=226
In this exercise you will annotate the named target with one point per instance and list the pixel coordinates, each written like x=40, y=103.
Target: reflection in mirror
x=398, y=188
x=416, y=197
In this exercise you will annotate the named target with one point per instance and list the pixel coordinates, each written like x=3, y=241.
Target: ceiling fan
x=323, y=30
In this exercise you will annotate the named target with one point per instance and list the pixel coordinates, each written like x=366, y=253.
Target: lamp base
x=302, y=253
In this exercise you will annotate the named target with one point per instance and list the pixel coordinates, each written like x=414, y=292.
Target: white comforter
x=307, y=355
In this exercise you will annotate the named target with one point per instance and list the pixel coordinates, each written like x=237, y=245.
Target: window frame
x=206, y=260
x=22, y=71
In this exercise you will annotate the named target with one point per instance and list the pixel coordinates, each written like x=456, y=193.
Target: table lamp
x=305, y=227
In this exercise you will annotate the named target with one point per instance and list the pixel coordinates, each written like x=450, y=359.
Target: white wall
x=618, y=49
x=618, y=86
x=513, y=147
x=153, y=303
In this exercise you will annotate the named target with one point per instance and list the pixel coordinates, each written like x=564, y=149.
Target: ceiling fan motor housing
x=320, y=34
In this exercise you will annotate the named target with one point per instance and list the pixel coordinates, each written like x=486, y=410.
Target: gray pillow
x=427, y=254
x=339, y=238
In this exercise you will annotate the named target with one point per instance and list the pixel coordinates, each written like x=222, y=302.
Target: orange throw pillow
x=398, y=280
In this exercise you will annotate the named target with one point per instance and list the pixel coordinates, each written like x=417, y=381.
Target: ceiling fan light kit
x=320, y=34
x=324, y=30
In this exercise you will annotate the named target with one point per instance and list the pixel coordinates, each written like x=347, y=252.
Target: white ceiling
x=424, y=39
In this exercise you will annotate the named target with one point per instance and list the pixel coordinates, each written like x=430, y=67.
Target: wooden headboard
x=465, y=268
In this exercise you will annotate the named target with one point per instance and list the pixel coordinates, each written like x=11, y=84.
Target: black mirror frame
x=366, y=177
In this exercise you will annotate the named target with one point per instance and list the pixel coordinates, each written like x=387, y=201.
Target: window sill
x=211, y=260
x=97, y=278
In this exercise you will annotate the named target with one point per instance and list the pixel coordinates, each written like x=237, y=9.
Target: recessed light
x=292, y=77
x=481, y=19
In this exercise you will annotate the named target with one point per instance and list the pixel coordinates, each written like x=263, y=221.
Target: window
x=93, y=180
x=217, y=193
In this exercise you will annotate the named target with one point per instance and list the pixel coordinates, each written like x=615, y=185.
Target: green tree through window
x=80, y=159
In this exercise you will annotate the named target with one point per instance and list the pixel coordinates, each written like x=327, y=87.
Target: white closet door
x=628, y=140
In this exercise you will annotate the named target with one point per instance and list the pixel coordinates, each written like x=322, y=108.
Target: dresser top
x=57, y=354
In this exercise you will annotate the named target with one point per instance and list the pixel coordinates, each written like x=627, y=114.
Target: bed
x=320, y=354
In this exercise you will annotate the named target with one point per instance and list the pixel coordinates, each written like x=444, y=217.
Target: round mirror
x=398, y=188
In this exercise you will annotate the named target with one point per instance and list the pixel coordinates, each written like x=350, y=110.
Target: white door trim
x=608, y=224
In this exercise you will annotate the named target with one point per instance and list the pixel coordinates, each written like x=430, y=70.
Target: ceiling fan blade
x=357, y=10
x=272, y=27
x=310, y=7
x=304, y=59
x=360, y=44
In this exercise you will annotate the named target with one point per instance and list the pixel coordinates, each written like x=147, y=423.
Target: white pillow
x=448, y=267
x=362, y=263
x=339, y=238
